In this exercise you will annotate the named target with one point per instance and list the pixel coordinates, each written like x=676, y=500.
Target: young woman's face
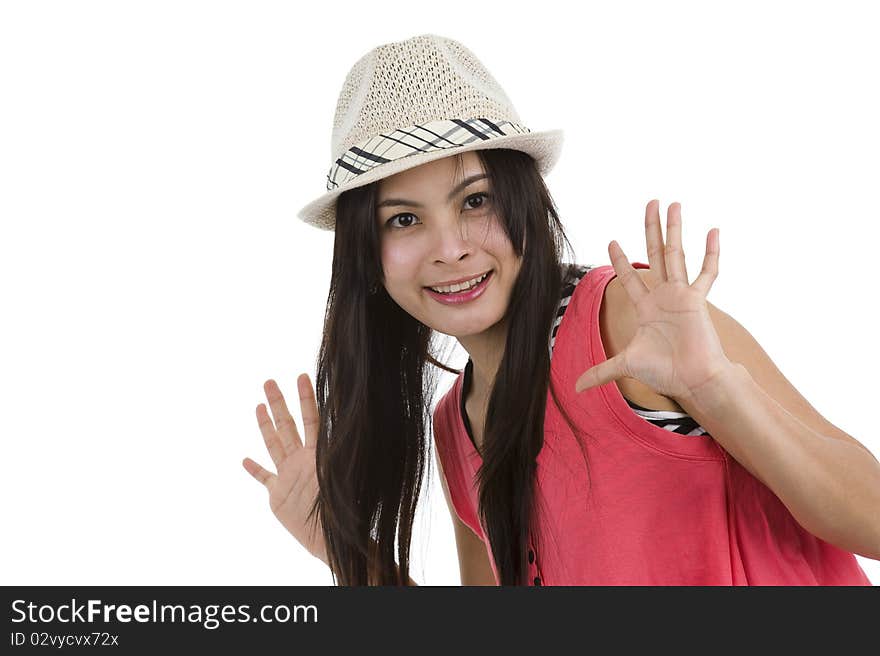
x=436, y=231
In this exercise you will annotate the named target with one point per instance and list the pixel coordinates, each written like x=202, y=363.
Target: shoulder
x=617, y=315
x=616, y=303
x=614, y=289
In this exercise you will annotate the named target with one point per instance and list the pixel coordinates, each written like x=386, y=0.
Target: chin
x=463, y=328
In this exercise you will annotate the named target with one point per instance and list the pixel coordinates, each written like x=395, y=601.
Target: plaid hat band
x=415, y=139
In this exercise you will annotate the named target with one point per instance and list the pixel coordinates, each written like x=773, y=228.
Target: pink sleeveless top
x=664, y=508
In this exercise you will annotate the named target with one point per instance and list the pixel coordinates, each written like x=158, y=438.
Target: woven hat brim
x=545, y=147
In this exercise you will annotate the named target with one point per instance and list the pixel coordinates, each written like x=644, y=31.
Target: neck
x=485, y=350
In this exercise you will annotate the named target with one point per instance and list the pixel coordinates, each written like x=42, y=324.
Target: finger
x=600, y=374
x=630, y=279
x=675, y=265
x=654, y=239
x=265, y=477
x=709, y=272
x=284, y=423
x=270, y=436
x=309, y=407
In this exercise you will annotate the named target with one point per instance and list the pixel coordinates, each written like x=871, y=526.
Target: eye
x=406, y=219
x=483, y=196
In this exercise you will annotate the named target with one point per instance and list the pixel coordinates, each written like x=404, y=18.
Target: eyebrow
x=409, y=203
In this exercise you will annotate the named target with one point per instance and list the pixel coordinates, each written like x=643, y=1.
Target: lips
x=459, y=285
x=466, y=296
x=449, y=283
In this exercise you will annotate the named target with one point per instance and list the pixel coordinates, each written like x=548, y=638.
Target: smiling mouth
x=457, y=288
x=463, y=295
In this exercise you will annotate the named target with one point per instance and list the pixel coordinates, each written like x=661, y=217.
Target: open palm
x=675, y=348
x=295, y=487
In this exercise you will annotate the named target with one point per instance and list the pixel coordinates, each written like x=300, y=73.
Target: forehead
x=445, y=171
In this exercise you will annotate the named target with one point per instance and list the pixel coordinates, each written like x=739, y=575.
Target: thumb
x=600, y=374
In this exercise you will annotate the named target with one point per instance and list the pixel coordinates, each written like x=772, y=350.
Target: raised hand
x=294, y=488
x=675, y=348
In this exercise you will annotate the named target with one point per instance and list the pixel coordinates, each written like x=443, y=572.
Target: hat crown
x=417, y=80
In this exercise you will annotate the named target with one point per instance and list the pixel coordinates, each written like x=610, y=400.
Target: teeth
x=458, y=287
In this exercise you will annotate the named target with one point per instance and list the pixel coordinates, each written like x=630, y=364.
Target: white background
x=153, y=156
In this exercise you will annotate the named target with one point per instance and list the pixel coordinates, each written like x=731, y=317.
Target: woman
x=611, y=426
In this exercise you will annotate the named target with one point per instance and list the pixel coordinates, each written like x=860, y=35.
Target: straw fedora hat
x=410, y=102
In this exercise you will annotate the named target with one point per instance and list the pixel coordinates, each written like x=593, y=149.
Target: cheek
x=496, y=240
x=398, y=262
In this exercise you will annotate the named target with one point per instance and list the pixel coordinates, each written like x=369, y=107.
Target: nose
x=451, y=244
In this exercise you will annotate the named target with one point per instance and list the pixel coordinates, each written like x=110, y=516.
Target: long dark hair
x=375, y=390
